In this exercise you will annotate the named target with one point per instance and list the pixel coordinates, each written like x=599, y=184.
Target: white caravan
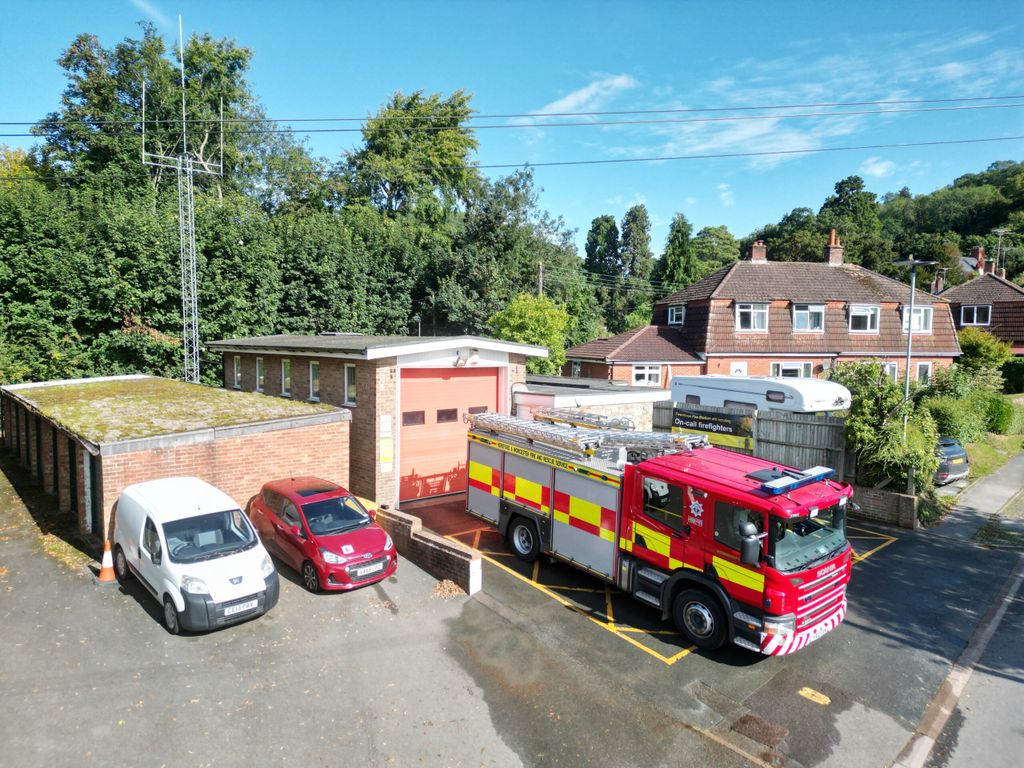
x=761, y=393
x=195, y=551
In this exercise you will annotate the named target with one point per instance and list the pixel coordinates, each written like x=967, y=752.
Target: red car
x=323, y=532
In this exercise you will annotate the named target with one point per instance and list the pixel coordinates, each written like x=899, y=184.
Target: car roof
x=304, y=487
x=173, y=498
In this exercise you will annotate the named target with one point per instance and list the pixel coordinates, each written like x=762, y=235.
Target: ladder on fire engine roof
x=587, y=441
x=573, y=418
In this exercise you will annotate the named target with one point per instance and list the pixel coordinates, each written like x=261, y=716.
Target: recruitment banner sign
x=730, y=430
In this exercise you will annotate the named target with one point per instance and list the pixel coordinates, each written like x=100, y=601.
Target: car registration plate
x=248, y=605
x=367, y=570
x=958, y=460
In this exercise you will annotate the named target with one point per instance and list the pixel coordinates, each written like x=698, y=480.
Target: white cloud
x=877, y=168
x=691, y=201
x=725, y=194
x=152, y=12
x=591, y=96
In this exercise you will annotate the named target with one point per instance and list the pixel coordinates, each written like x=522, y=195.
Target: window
x=478, y=409
x=350, y=385
x=237, y=372
x=891, y=371
x=647, y=375
x=259, y=374
x=150, y=539
x=314, y=381
x=676, y=314
x=924, y=372
x=738, y=404
x=922, y=319
x=792, y=370
x=286, y=378
x=290, y=515
x=752, y=317
x=727, y=520
x=693, y=399
x=975, y=315
x=663, y=502
x=577, y=368
x=863, y=319
x=447, y=415
x=808, y=318
x=414, y=418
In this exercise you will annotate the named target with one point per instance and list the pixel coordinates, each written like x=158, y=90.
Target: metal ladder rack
x=574, y=418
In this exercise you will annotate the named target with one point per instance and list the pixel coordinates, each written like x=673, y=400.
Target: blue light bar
x=797, y=480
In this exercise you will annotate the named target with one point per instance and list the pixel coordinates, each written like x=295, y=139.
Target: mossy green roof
x=108, y=411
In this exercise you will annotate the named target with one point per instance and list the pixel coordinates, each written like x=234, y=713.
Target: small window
x=664, y=502
x=259, y=374
x=738, y=404
x=272, y=502
x=647, y=375
x=237, y=372
x=447, y=415
x=891, y=371
x=924, y=372
x=577, y=368
x=922, y=319
x=290, y=515
x=752, y=317
x=286, y=378
x=775, y=396
x=693, y=399
x=676, y=314
x=863, y=319
x=727, y=521
x=150, y=538
x=808, y=318
x=792, y=370
x=975, y=314
x=314, y=381
x=350, y=385
x=478, y=409
x=414, y=418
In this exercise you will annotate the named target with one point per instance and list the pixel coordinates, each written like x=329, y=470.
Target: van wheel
x=171, y=616
x=121, y=565
x=310, y=577
x=524, y=538
x=700, y=619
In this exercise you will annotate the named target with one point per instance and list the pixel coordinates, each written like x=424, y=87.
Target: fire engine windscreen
x=799, y=542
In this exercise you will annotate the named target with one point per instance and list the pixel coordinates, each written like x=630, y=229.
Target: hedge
x=962, y=418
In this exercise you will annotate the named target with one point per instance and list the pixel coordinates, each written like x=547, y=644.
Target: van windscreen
x=205, y=537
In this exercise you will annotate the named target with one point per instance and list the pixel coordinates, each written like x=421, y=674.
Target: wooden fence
x=795, y=439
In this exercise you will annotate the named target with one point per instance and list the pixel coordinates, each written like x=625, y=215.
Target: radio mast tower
x=185, y=167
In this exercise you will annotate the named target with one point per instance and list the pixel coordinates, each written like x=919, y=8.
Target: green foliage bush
x=1017, y=420
x=998, y=412
x=962, y=418
x=981, y=349
x=1013, y=374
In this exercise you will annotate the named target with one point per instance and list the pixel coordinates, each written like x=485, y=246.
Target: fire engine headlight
x=330, y=557
x=780, y=625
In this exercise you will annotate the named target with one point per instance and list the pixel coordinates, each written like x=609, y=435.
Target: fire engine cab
x=732, y=547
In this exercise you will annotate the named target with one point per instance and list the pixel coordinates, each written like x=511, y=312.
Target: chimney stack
x=978, y=254
x=759, y=252
x=834, y=251
x=938, y=283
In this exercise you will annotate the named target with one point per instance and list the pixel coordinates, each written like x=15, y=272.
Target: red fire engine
x=732, y=547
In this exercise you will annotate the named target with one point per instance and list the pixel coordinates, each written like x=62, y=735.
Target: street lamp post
x=913, y=264
x=417, y=319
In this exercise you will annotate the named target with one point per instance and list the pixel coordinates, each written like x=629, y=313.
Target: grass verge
x=993, y=533
x=991, y=452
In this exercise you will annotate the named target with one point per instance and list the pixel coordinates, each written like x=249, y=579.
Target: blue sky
x=344, y=59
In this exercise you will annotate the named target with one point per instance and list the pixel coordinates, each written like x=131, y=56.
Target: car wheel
x=171, y=616
x=121, y=565
x=310, y=578
x=700, y=619
x=524, y=538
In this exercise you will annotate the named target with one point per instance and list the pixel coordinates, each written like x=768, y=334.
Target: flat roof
x=368, y=347
x=119, y=408
x=557, y=385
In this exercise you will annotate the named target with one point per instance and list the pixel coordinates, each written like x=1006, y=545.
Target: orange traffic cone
x=106, y=574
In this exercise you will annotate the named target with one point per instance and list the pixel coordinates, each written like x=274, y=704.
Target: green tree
x=637, y=264
x=603, y=264
x=716, y=246
x=981, y=350
x=679, y=264
x=534, y=320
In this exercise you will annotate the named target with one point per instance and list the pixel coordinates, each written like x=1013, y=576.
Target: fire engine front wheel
x=700, y=619
x=524, y=538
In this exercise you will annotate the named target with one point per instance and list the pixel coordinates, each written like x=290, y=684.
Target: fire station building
x=409, y=396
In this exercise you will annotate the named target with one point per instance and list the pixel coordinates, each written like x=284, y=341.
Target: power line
x=595, y=123
x=539, y=115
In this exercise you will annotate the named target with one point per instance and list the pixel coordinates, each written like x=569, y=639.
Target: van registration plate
x=360, y=572
x=248, y=605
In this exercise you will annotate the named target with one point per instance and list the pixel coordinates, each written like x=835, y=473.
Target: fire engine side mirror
x=750, y=544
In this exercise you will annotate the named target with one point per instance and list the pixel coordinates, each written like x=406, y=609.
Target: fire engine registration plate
x=367, y=570
x=248, y=605
x=818, y=631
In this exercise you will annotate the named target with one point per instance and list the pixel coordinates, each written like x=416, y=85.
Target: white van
x=195, y=551
x=761, y=393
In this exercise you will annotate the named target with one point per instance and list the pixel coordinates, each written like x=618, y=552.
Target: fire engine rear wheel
x=525, y=541
x=700, y=619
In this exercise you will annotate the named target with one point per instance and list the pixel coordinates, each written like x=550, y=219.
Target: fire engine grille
x=818, y=598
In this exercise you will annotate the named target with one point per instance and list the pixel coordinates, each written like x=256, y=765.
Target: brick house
x=992, y=303
x=408, y=396
x=762, y=318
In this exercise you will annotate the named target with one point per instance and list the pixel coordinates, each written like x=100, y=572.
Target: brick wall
x=438, y=556
x=885, y=506
x=238, y=465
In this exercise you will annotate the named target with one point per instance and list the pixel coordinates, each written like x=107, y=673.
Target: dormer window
x=863, y=318
x=676, y=314
x=922, y=322
x=809, y=318
x=975, y=314
x=752, y=317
